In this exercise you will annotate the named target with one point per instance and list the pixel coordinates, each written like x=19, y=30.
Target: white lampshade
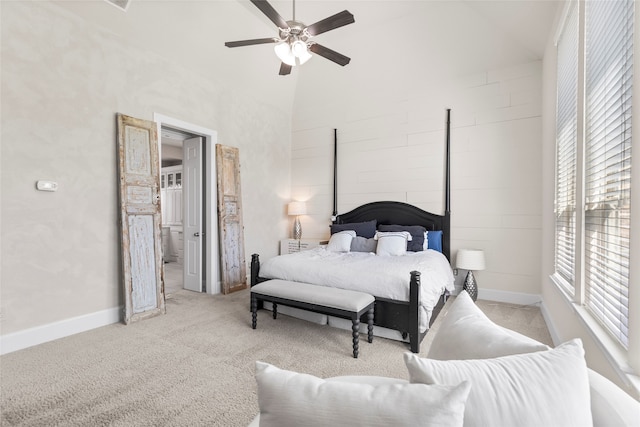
x=470, y=259
x=297, y=208
x=283, y=51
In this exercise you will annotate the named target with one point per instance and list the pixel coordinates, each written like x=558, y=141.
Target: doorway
x=188, y=191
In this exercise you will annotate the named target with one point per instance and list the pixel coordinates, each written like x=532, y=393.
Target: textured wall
x=63, y=81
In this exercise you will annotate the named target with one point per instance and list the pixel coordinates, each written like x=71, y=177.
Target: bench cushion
x=313, y=294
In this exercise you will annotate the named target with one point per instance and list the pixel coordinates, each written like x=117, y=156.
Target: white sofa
x=475, y=373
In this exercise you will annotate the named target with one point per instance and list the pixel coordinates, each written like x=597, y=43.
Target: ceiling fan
x=295, y=39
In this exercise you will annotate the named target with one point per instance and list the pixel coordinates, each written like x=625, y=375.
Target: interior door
x=192, y=219
x=140, y=218
x=233, y=267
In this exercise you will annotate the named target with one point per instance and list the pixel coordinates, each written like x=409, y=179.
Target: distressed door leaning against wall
x=234, y=270
x=140, y=218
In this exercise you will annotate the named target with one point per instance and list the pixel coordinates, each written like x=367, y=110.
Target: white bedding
x=381, y=276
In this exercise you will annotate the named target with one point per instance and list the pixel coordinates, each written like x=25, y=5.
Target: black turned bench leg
x=254, y=311
x=370, y=324
x=356, y=335
x=275, y=310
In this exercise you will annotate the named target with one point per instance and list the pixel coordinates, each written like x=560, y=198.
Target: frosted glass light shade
x=298, y=48
x=470, y=259
x=304, y=56
x=283, y=51
x=297, y=208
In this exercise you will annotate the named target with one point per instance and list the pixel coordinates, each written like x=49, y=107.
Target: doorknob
x=196, y=234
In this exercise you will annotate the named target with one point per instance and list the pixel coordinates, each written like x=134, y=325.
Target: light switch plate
x=47, y=185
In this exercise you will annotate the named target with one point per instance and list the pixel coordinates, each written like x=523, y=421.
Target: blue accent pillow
x=416, y=244
x=434, y=240
x=362, y=229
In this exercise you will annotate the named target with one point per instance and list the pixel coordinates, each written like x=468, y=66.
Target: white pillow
x=341, y=241
x=546, y=388
x=288, y=398
x=392, y=242
x=465, y=332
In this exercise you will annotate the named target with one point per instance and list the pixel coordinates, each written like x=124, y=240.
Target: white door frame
x=211, y=220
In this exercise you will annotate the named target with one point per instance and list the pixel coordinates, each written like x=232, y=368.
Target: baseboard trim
x=63, y=328
x=509, y=297
x=553, y=331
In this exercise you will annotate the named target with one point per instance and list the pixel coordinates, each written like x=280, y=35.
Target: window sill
x=617, y=356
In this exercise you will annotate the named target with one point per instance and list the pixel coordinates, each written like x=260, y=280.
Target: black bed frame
x=402, y=316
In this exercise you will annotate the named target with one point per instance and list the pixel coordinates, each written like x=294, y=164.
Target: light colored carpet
x=193, y=366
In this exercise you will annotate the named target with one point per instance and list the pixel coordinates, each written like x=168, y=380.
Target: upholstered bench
x=319, y=299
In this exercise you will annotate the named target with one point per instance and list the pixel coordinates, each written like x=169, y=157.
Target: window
x=608, y=85
x=566, y=146
x=593, y=160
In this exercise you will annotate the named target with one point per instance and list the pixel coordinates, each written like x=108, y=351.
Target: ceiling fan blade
x=338, y=20
x=331, y=55
x=271, y=13
x=241, y=43
x=285, y=69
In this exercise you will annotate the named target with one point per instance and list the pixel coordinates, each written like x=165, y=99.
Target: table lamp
x=470, y=259
x=297, y=209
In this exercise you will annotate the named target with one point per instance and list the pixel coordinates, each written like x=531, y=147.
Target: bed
x=409, y=311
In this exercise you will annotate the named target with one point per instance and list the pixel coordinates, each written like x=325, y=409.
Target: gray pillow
x=362, y=244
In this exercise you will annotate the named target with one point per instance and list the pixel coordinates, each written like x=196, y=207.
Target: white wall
x=63, y=81
x=389, y=109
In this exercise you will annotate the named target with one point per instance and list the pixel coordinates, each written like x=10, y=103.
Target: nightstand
x=289, y=246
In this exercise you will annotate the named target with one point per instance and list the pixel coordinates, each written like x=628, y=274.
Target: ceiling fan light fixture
x=294, y=44
x=283, y=51
x=299, y=48
x=304, y=56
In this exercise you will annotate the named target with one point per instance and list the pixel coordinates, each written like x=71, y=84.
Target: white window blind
x=608, y=87
x=566, y=145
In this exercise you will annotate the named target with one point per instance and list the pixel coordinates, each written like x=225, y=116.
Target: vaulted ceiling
x=389, y=38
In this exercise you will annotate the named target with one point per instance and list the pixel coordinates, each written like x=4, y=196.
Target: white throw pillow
x=465, y=332
x=288, y=398
x=546, y=388
x=392, y=242
x=341, y=241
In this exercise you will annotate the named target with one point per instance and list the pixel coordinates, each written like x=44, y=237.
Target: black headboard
x=398, y=212
x=402, y=214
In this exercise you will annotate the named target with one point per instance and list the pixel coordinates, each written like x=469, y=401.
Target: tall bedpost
x=335, y=174
x=255, y=269
x=447, y=185
x=446, y=248
x=414, y=312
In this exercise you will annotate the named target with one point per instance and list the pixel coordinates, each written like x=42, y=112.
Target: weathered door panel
x=140, y=218
x=232, y=260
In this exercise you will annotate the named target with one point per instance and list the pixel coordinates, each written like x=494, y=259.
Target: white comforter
x=381, y=276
